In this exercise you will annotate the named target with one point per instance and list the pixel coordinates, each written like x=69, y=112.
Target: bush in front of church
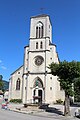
x=15, y=101
x=59, y=101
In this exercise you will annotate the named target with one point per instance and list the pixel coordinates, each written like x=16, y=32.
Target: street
x=10, y=115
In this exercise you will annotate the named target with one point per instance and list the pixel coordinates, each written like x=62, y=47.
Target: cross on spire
x=42, y=9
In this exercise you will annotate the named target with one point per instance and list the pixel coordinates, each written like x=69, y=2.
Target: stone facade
x=36, y=82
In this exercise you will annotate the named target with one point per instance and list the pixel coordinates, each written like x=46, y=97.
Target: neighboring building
x=33, y=81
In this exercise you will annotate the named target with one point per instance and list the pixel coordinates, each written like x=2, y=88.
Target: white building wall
x=34, y=68
x=33, y=44
x=25, y=67
x=49, y=29
x=13, y=93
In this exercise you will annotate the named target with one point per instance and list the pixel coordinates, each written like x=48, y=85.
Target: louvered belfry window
x=39, y=30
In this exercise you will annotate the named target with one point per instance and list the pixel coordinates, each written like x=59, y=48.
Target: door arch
x=40, y=95
x=38, y=90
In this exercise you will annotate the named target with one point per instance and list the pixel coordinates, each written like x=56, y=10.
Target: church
x=33, y=81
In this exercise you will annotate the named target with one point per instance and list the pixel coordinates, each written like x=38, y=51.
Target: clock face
x=39, y=60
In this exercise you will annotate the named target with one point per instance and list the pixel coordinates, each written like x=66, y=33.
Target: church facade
x=33, y=81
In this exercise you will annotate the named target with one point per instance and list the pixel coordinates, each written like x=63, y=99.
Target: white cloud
x=0, y=61
x=3, y=67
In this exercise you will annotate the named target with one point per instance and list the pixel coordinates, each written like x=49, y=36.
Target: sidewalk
x=54, y=111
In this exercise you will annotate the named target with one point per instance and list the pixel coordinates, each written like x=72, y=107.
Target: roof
x=26, y=46
x=16, y=70
x=52, y=44
x=41, y=15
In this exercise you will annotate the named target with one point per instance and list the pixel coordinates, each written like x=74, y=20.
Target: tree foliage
x=77, y=90
x=1, y=82
x=67, y=72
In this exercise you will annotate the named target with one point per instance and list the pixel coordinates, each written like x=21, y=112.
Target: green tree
x=1, y=82
x=77, y=90
x=66, y=71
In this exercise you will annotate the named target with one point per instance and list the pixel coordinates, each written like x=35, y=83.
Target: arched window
x=36, y=45
x=41, y=45
x=42, y=31
x=39, y=30
x=18, y=84
x=38, y=83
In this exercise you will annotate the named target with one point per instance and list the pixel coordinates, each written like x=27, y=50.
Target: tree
x=1, y=82
x=66, y=71
x=77, y=90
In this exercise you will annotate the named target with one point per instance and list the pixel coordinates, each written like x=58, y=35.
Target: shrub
x=16, y=100
x=59, y=101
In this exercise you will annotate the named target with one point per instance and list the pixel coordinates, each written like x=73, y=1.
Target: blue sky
x=15, y=26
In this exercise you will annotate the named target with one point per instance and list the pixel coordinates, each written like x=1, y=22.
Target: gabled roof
x=16, y=70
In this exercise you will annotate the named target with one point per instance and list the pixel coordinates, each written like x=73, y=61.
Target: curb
x=32, y=113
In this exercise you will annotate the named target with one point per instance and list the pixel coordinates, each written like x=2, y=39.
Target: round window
x=39, y=60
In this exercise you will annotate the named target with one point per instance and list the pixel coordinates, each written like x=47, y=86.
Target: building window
x=36, y=45
x=39, y=30
x=50, y=88
x=50, y=77
x=18, y=84
x=18, y=72
x=42, y=31
x=34, y=92
x=38, y=83
x=41, y=45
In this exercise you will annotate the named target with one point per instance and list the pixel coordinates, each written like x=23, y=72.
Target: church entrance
x=37, y=96
x=40, y=95
x=38, y=91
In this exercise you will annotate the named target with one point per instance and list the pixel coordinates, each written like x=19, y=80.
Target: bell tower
x=38, y=56
x=40, y=32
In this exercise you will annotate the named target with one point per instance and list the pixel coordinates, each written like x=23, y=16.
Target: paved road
x=10, y=115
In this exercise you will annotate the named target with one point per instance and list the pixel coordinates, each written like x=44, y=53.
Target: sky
x=15, y=29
